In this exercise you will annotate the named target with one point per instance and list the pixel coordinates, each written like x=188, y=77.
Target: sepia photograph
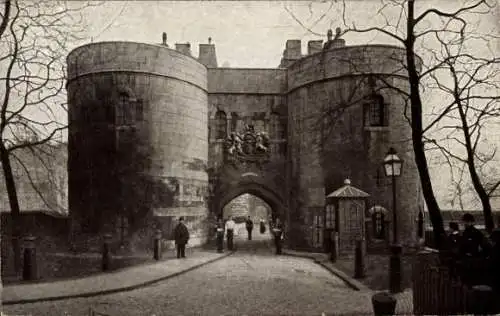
x=196, y=157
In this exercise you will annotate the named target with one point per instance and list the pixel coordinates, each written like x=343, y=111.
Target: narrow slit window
x=220, y=125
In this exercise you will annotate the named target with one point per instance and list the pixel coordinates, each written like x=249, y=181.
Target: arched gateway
x=155, y=134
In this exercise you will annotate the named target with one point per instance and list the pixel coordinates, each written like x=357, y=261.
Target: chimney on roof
x=183, y=48
x=314, y=47
x=207, y=55
x=293, y=49
x=292, y=52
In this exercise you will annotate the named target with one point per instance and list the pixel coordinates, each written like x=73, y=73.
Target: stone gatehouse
x=155, y=133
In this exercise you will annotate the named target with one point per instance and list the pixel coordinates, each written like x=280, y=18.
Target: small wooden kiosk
x=347, y=205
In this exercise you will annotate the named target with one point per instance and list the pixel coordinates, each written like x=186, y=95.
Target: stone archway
x=268, y=195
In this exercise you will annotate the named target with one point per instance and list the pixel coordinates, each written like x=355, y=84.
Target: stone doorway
x=249, y=205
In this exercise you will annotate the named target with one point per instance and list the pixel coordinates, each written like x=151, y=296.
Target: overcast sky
x=246, y=33
x=253, y=33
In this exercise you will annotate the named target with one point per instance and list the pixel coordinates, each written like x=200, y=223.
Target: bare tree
x=403, y=23
x=473, y=91
x=34, y=38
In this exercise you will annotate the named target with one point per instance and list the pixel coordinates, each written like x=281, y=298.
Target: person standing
x=473, y=243
x=249, y=226
x=453, y=247
x=262, y=226
x=181, y=236
x=230, y=225
x=278, y=235
x=473, y=250
x=220, y=235
x=454, y=239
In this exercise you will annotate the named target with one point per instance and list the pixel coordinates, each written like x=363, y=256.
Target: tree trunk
x=417, y=133
x=14, y=206
x=476, y=181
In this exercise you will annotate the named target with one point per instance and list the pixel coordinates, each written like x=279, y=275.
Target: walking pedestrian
x=220, y=235
x=181, y=236
x=278, y=235
x=262, y=226
x=249, y=227
x=230, y=225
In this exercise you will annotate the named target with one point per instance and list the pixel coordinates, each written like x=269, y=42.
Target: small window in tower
x=374, y=112
x=139, y=110
x=109, y=113
x=220, y=125
x=125, y=110
x=277, y=130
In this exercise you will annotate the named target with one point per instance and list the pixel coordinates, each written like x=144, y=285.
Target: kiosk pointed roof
x=348, y=191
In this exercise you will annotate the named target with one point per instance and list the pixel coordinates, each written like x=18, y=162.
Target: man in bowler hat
x=181, y=236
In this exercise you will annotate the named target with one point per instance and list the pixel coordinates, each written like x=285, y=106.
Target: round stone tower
x=138, y=140
x=342, y=119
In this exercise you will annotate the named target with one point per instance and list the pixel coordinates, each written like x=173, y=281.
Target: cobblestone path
x=251, y=282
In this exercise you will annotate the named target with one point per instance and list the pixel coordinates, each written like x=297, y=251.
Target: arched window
x=374, y=111
x=220, y=125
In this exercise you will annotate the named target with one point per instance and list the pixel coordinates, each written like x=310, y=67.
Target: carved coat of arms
x=249, y=144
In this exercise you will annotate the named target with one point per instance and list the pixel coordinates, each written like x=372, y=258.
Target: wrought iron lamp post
x=392, y=166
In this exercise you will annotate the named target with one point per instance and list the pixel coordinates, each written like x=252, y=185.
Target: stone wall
x=242, y=80
x=267, y=113
x=51, y=233
x=41, y=179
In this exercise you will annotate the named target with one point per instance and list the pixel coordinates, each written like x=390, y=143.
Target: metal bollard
x=420, y=225
x=157, y=245
x=359, y=260
x=106, y=253
x=30, y=269
x=334, y=254
x=383, y=304
x=395, y=270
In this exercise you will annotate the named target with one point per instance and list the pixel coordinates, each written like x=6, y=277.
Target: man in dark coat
x=278, y=235
x=249, y=226
x=473, y=243
x=474, y=248
x=181, y=236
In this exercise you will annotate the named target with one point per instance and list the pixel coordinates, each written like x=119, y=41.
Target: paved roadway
x=253, y=281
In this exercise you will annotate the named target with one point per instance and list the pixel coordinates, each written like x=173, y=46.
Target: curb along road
x=115, y=290
x=351, y=282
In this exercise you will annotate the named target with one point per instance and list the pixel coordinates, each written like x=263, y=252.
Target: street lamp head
x=392, y=164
